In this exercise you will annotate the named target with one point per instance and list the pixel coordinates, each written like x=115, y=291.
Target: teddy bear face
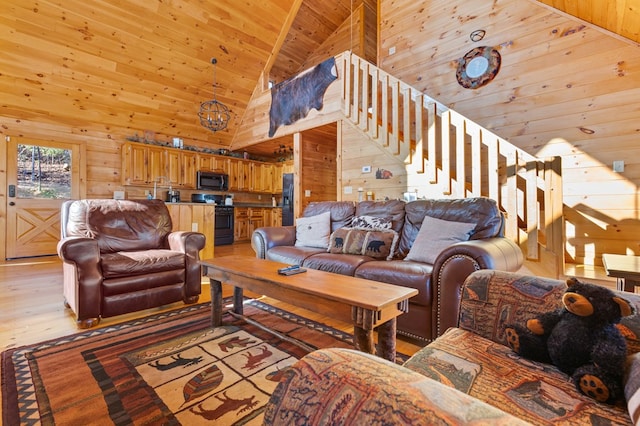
x=595, y=302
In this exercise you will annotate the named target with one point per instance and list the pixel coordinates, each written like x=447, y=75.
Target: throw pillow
x=371, y=222
x=313, y=231
x=354, y=241
x=336, y=242
x=380, y=244
x=434, y=236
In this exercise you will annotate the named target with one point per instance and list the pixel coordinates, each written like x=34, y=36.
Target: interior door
x=40, y=176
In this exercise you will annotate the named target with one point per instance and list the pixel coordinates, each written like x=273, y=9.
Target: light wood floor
x=32, y=310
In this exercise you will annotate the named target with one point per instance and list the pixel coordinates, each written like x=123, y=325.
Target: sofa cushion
x=482, y=211
x=493, y=373
x=341, y=212
x=313, y=231
x=291, y=255
x=436, y=235
x=407, y=274
x=344, y=264
x=124, y=264
x=343, y=386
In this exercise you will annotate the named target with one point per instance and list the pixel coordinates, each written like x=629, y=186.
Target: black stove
x=223, y=234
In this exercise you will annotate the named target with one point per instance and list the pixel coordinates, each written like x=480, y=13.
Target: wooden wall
x=317, y=171
x=564, y=88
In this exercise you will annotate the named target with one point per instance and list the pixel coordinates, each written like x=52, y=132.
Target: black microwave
x=214, y=181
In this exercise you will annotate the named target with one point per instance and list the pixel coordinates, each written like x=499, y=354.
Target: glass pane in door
x=43, y=172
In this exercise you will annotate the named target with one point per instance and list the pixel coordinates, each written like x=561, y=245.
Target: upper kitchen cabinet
x=142, y=164
x=181, y=168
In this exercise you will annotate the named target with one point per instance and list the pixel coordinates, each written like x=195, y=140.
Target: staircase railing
x=460, y=157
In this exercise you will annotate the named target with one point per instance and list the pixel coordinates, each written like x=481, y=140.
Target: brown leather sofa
x=436, y=306
x=120, y=256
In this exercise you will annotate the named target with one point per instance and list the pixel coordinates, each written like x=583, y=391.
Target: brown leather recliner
x=120, y=256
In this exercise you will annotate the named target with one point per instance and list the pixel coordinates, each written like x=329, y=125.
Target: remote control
x=288, y=268
x=292, y=271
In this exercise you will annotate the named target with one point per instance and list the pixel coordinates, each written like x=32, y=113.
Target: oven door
x=223, y=234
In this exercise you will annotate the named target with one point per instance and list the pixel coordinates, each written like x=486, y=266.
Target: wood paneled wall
x=318, y=153
x=565, y=87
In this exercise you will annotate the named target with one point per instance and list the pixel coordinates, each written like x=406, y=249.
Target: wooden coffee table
x=625, y=268
x=368, y=304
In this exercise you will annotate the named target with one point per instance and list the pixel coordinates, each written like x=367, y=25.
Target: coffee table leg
x=237, y=300
x=387, y=340
x=363, y=339
x=216, y=302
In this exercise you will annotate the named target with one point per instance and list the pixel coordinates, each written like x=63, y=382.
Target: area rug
x=168, y=369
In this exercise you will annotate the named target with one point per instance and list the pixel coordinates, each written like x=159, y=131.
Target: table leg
x=363, y=339
x=387, y=340
x=237, y=300
x=625, y=284
x=216, y=302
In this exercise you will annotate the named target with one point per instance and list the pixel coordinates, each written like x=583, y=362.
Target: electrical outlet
x=348, y=190
x=618, y=166
x=194, y=227
x=307, y=193
x=366, y=169
x=392, y=50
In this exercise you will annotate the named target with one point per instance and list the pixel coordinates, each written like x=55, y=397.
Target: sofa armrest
x=457, y=262
x=267, y=237
x=81, y=268
x=491, y=299
x=189, y=243
x=343, y=386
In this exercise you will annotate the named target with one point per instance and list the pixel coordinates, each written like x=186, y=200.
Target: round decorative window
x=478, y=67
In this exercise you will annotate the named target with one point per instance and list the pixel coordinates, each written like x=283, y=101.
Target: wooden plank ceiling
x=619, y=16
x=134, y=66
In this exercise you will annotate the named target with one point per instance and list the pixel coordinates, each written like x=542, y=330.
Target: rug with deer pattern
x=171, y=368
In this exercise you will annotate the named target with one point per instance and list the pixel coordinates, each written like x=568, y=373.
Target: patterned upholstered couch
x=436, y=266
x=467, y=375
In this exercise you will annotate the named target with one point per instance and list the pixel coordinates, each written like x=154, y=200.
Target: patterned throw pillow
x=337, y=239
x=371, y=222
x=380, y=244
x=377, y=244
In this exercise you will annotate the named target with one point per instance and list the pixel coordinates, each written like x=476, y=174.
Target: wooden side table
x=625, y=268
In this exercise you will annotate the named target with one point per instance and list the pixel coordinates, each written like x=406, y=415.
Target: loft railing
x=459, y=156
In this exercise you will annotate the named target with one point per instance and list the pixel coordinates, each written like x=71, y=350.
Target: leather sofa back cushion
x=120, y=225
x=341, y=212
x=484, y=212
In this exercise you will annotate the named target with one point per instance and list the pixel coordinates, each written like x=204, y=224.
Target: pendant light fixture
x=213, y=114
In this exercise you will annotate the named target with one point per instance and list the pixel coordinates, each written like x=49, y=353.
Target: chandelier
x=213, y=114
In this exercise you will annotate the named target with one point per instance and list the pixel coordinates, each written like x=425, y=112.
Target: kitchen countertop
x=267, y=206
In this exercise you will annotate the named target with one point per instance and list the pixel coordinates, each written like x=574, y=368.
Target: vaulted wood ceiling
x=145, y=65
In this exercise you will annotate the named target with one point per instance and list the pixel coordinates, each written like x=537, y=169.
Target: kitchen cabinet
x=276, y=182
x=209, y=162
x=240, y=175
x=246, y=220
x=145, y=164
x=142, y=164
x=181, y=168
x=275, y=217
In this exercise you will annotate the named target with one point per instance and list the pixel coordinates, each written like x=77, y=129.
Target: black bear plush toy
x=581, y=339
